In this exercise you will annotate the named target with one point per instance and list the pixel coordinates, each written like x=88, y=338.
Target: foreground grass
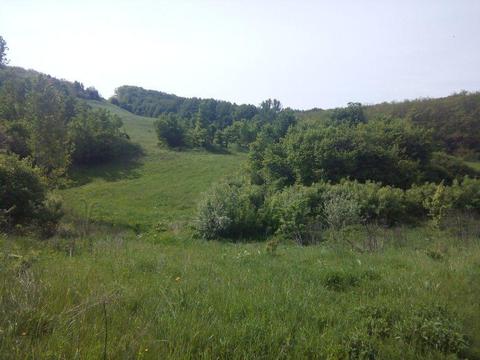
x=167, y=296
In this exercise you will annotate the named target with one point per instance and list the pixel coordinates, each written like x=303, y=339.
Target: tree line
x=454, y=121
x=207, y=123
x=176, y=131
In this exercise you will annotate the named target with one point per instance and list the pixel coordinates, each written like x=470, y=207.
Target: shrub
x=377, y=203
x=22, y=189
x=170, y=130
x=466, y=194
x=49, y=216
x=230, y=209
x=340, y=209
x=438, y=204
x=293, y=211
x=24, y=196
x=298, y=212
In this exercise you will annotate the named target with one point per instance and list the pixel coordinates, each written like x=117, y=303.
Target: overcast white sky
x=305, y=53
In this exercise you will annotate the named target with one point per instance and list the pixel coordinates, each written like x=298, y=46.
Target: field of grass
x=163, y=296
x=160, y=293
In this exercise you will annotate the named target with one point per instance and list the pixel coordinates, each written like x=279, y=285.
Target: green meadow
x=129, y=279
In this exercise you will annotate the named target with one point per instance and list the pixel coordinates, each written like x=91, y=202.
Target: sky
x=305, y=53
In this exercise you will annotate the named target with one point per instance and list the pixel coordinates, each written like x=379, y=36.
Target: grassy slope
x=167, y=295
x=162, y=186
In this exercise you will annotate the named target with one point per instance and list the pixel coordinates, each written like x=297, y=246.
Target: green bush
x=301, y=213
x=170, y=130
x=230, y=209
x=294, y=211
x=340, y=209
x=433, y=328
x=386, y=150
x=466, y=194
x=24, y=197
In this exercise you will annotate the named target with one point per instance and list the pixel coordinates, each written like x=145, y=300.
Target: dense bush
x=206, y=123
x=393, y=152
x=352, y=114
x=230, y=209
x=301, y=213
x=170, y=130
x=24, y=199
x=294, y=212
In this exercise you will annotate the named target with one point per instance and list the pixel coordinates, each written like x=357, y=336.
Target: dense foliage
x=234, y=208
x=24, y=197
x=171, y=131
x=155, y=103
x=390, y=151
x=453, y=120
x=339, y=171
x=203, y=128
x=45, y=119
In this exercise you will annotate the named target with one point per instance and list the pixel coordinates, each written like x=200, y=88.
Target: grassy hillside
x=161, y=186
x=159, y=293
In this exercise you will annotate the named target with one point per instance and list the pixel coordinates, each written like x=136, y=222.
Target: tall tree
x=47, y=110
x=3, y=51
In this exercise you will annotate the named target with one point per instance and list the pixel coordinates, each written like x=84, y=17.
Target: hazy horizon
x=305, y=53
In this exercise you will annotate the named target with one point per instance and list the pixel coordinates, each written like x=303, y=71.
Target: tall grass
x=181, y=298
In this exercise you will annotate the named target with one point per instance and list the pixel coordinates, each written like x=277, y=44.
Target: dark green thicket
x=24, y=199
x=391, y=151
x=454, y=120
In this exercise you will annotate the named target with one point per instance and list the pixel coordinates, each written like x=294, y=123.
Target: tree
x=3, y=50
x=170, y=130
x=352, y=114
x=46, y=111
